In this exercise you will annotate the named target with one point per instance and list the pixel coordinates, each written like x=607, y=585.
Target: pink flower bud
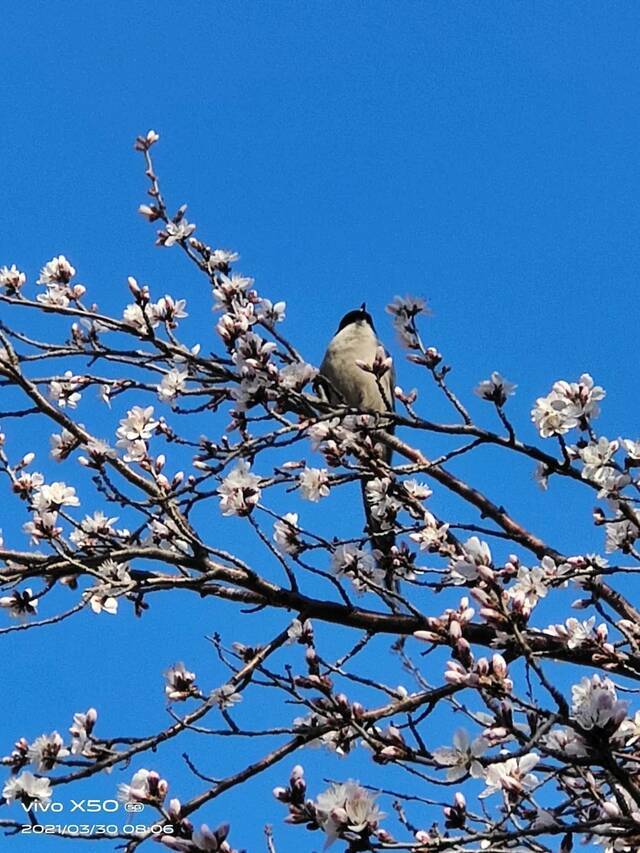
x=486, y=573
x=482, y=666
x=499, y=666
x=459, y=800
x=611, y=809
x=342, y=700
x=427, y=636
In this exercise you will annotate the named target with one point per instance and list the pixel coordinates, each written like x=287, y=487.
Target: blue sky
x=483, y=155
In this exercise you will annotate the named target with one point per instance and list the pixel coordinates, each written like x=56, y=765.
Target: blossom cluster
x=240, y=494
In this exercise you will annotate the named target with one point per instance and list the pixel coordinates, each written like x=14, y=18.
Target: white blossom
x=417, y=491
x=600, y=467
x=286, y=532
x=80, y=730
x=530, y=586
x=203, y=840
x=62, y=444
x=511, y=776
x=252, y=352
x=150, y=139
x=583, y=394
x=140, y=320
x=225, y=696
x=336, y=739
x=57, y=271
x=554, y=415
x=167, y=535
x=335, y=438
x=347, y=807
x=175, y=232
x=45, y=752
x=104, y=394
x=229, y=289
x=12, y=279
x=541, y=476
x=629, y=730
x=403, y=309
x=356, y=564
x=632, y=448
x=145, y=785
x=496, y=389
x=150, y=212
x=382, y=503
x=407, y=305
x=296, y=375
x=460, y=759
x=115, y=573
x=567, y=741
x=43, y=525
x=239, y=491
x=172, y=384
x=20, y=604
x=567, y=406
x=269, y=313
x=28, y=482
x=464, y=568
x=595, y=703
x=298, y=630
x=597, y=455
x=573, y=633
x=432, y=536
x=314, y=484
x=93, y=529
x=27, y=788
x=52, y=496
x=221, y=259
x=53, y=297
x=64, y=391
x=169, y=310
x=135, y=430
x=621, y=534
x=253, y=388
x=233, y=324
x=99, y=451
x=102, y=602
x=180, y=683
x=611, y=482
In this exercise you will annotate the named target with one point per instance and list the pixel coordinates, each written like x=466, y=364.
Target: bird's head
x=359, y=316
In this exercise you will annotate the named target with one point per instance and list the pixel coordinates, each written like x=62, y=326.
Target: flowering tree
x=527, y=764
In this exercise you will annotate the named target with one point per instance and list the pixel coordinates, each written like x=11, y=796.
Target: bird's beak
x=363, y=307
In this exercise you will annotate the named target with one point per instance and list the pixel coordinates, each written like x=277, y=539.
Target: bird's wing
x=325, y=383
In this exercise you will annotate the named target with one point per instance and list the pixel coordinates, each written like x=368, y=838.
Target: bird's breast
x=340, y=366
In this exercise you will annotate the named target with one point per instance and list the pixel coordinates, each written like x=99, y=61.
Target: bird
x=342, y=381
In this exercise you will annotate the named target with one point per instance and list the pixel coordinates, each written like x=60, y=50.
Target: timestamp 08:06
x=94, y=829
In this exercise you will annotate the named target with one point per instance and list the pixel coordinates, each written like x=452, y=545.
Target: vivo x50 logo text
x=83, y=806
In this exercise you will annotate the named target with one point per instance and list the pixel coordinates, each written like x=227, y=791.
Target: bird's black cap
x=357, y=316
